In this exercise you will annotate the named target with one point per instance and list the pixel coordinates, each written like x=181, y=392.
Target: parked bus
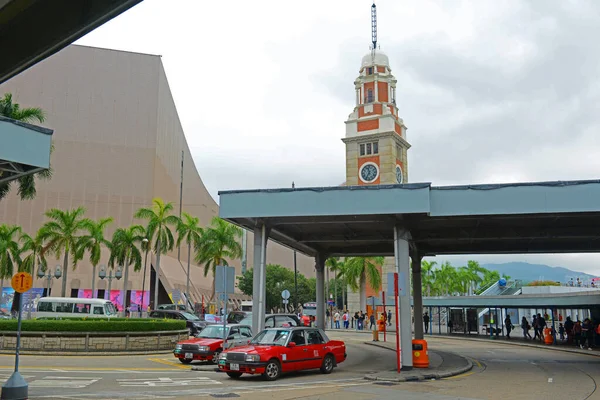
x=65, y=307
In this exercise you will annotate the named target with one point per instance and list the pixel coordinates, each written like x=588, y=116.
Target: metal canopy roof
x=24, y=149
x=558, y=300
x=31, y=30
x=539, y=217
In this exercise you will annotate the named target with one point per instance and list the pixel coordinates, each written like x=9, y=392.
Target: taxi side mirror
x=291, y=345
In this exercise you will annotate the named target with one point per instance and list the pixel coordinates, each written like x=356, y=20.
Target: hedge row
x=94, y=325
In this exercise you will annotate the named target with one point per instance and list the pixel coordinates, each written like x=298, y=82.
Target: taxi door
x=316, y=349
x=294, y=358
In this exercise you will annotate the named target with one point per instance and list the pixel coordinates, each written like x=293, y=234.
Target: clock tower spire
x=376, y=145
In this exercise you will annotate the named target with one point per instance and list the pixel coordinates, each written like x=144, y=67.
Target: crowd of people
x=360, y=320
x=584, y=334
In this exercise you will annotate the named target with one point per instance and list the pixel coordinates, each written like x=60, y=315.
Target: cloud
x=490, y=91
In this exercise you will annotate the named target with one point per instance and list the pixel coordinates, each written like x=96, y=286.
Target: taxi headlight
x=203, y=348
x=223, y=356
x=178, y=347
x=252, y=357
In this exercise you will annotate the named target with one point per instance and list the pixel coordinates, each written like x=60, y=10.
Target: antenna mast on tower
x=374, y=26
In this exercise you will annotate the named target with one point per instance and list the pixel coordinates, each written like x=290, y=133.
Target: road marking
x=84, y=369
x=64, y=382
x=162, y=382
x=172, y=364
x=549, y=380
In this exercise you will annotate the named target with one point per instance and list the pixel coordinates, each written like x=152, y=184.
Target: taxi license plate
x=189, y=355
x=234, y=367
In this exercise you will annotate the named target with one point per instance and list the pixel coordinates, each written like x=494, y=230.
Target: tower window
x=370, y=71
x=369, y=98
x=369, y=148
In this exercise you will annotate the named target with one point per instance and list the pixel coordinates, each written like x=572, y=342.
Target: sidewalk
x=441, y=365
x=514, y=340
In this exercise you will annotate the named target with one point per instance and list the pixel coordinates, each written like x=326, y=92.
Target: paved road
x=162, y=376
x=501, y=372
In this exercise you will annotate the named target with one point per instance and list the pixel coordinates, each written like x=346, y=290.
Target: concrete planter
x=101, y=342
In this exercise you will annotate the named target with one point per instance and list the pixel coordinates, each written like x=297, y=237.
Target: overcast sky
x=490, y=91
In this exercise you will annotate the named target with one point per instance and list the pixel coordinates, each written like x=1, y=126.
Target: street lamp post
x=102, y=274
x=145, y=241
x=57, y=274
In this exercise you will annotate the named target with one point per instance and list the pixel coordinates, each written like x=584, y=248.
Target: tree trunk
x=187, y=286
x=335, y=289
x=363, y=291
x=93, y=280
x=157, y=270
x=63, y=290
x=124, y=297
x=1, y=290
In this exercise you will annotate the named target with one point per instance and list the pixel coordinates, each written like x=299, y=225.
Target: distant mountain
x=533, y=272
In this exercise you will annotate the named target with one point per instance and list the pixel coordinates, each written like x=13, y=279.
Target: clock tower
x=376, y=145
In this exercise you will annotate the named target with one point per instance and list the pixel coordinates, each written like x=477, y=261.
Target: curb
x=84, y=353
x=411, y=376
x=531, y=345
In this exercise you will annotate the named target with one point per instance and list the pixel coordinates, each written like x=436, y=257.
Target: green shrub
x=94, y=325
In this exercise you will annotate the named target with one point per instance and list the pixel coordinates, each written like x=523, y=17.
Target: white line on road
x=549, y=380
x=64, y=382
x=162, y=382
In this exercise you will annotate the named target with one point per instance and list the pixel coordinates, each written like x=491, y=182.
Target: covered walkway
x=412, y=221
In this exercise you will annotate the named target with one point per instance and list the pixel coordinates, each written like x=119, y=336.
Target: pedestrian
x=525, y=327
x=541, y=323
x=336, y=319
x=569, y=330
x=508, y=325
x=345, y=317
x=389, y=315
x=561, y=332
x=577, y=334
x=426, y=322
x=372, y=321
x=587, y=333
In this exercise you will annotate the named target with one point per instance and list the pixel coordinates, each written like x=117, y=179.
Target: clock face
x=369, y=172
x=399, y=176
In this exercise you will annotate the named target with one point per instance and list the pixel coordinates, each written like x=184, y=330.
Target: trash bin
x=548, y=339
x=420, y=354
x=375, y=335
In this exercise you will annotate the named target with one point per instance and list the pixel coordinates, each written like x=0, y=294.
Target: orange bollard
x=420, y=354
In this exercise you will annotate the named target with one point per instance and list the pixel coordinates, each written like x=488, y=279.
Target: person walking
x=426, y=322
x=525, y=326
x=336, y=319
x=508, y=325
x=389, y=315
x=372, y=321
x=346, y=318
x=569, y=330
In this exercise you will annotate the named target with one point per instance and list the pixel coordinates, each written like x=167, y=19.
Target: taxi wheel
x=272, y=370
x=234, y=375
x=327, y=365
x=215, y=358
x=184, y=361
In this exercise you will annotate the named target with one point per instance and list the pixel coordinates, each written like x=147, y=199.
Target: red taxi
x=208, y=344
x=278, y=350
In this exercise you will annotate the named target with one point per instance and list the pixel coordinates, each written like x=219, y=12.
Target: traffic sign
x=21, y=282
x=285, y=294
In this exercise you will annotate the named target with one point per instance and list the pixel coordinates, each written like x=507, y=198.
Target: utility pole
x=295, y=273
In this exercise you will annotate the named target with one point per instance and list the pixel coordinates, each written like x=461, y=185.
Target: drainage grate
x=224, y=395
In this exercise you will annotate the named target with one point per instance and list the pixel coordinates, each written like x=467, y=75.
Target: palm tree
x=362, y=271
x=427, y=276
x=62, y=234
x=93, y=243
x=14, y=111
x=337, y=266
x=125, y=252
x=159, y=219
x=188, y=230
x=10, y=253
x=219, y=243
x=35, y=246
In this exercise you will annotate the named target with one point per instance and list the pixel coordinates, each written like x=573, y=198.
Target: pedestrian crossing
x=167, y=382
x=63, y=382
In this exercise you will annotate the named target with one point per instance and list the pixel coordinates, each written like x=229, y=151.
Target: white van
x=65, y=307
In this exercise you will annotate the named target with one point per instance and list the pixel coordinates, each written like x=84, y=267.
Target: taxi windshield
x=271, y=337
x=212, y=332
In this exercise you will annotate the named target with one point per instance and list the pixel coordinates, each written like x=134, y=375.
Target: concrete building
x=118, y=144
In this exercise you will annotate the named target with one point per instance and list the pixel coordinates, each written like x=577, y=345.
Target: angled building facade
x=118, y=144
